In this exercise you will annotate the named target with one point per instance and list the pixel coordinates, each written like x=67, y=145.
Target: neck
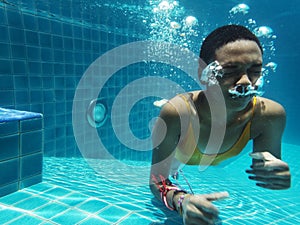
x=214, y=107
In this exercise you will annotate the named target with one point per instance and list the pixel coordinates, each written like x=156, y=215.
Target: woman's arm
x=195, y=209
x=267, y=167
x=165, y=137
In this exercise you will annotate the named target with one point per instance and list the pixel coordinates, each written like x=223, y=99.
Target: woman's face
x=242, y=65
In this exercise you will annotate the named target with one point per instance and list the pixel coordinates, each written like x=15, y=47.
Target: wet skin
x=242, y=63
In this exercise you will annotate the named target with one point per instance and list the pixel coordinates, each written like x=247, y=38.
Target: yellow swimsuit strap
x=199, y=157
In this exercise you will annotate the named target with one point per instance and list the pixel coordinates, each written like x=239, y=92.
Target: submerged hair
x=222, y=36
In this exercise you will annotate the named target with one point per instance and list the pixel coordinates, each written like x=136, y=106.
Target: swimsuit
x=199, y=158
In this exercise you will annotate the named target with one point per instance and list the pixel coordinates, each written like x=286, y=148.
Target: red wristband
x=164, y=197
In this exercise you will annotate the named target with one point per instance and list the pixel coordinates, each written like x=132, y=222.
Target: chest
x=221, y=138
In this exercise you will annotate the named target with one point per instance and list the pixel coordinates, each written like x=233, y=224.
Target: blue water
x=73, y=193
x=46, y=48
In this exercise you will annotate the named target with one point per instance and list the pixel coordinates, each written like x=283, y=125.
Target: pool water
x=46, y=48
x=73, y=193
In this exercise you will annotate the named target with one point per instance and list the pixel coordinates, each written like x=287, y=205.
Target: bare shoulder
x=269, y=108
x=268, y=126
x=169, y=109
x=269, y=118
x=178, y=106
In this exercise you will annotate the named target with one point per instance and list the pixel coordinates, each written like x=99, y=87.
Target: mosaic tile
x=119, y=206
x=93, y=205
x=113, y=213
x=57, y=192
x=95, y=220
x=74, y=199
x=31, y=203
x=39, y=188
x=14, y=197
x=135, y=219
x=8, y=214
x=69, y=217
x=26, y=220
x=51, y=210
x=129, y=206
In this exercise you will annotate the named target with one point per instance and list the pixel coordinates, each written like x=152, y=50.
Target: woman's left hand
x=269, y=171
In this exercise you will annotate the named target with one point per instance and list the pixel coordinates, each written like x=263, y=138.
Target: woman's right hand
x=198, y=209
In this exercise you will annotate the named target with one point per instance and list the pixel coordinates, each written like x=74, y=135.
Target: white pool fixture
x=96, y=113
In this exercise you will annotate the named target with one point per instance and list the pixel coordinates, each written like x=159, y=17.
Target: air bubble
x=175, y=25
x=164, y=5
x=263, y=31
x=272, y=66
x=240, y=8
x=190, y=21
x=175, y=3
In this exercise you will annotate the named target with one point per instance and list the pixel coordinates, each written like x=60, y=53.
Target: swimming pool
x=72, y=193
x=47, y=47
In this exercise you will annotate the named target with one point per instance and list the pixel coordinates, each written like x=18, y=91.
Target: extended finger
x=270, y=175
x=283, y=182
x=269, y=179
x=270, y=165
x=273, y=186
x=268, y=170
x=266, y=156
x=216, y=196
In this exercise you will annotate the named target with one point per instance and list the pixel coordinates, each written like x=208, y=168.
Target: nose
x=244, y=80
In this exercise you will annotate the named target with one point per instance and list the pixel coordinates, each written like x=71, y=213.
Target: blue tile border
x=22, y=146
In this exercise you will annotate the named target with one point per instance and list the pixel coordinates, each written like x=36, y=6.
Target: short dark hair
x=222, y=36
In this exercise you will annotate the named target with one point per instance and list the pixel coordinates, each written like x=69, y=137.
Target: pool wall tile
x=9, y=188
x=9, y=171
x=30, y=125
x=31, y=165
x=42, y=61
x=21, y=149
x=9, y=147
x=27, y=145
x=9, y=128
x=30, y=181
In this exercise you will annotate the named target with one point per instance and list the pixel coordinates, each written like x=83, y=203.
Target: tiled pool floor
x=72, y=193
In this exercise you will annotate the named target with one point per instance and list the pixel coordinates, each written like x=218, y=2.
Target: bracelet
x=164, y=197
x=164, y=189
x=180, y=200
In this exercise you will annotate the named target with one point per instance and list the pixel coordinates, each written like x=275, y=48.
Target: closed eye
x=231, y=70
